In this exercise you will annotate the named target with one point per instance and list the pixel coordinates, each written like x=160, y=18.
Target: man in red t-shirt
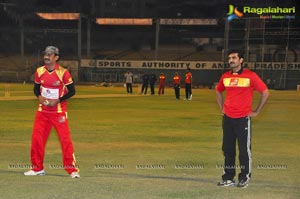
x=239, y=84
x=176, y=83
x=188, y=84
x=53, y=85
x=162, y=80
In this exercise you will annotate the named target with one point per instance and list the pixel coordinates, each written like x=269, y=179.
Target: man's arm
x=37, y=92
x=264, y=96
x=37, y=89
x=71, y=92
x=220, y=100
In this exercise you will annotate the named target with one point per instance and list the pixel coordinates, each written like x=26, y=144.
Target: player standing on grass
x=176, y=84
x=152, y=83
x=129, y=80
x=188, y=85
x=53, y=85
x=239, y=84
x=162, y=83
x=145, y=79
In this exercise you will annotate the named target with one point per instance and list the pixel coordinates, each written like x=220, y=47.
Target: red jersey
x=53, y=86
x=188, y=78
x=176, y=79
x=162, y=79
x=239, y=91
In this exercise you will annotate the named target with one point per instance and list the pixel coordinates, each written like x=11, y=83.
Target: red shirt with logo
x=162, y=79
x=239, y=91
x=188, y=78
x=176, y=79
x=53, y=86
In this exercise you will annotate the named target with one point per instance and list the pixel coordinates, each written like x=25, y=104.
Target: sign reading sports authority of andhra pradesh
x=183, y=65
x=277, y=12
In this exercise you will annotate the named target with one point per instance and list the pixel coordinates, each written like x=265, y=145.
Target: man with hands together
x=53, y=85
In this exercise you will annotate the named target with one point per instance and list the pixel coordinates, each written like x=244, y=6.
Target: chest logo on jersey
x=236, y=82
x=50, y=93
x=233, y=82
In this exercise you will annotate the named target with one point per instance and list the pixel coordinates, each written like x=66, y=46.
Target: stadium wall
x=277, y=75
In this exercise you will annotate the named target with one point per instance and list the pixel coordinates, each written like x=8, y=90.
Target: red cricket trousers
x=42, y=126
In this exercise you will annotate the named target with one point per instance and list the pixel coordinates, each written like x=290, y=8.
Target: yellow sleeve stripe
x=40, y=70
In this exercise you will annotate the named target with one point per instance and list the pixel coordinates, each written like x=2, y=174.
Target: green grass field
x=117, y=136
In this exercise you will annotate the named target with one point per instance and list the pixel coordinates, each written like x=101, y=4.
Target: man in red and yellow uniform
x=188, y=85
x=239, y=84
x=53, y=85
x=176, y=83
x=162, y=84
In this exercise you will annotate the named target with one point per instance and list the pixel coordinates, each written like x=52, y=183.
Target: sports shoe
x=226, y=183
x=75, y=175
x=35, y=173
x=191, y=96
x=243, y=183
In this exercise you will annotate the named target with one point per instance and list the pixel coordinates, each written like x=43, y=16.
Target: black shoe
x=243, y=183
x=226, y=183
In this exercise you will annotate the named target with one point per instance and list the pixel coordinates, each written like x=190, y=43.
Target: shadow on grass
x=142, y=176
x=265, y=184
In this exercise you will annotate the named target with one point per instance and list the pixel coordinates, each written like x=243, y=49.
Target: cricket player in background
x=53, y=85
x=176, y=84
x=162, y=84
x=188, y=85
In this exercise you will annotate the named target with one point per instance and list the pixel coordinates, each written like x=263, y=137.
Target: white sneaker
x=191, y=96
x=75, y=175
x=35, y=173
